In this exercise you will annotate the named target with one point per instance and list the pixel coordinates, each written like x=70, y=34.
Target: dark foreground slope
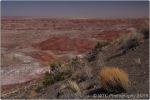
x=135, y=62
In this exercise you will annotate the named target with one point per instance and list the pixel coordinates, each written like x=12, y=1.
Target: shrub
x=146, y=33
x=59, y=76
x=51, y=78
x=82, y=74
x=98, y=47
x=55, y=67
x=101, y=44
x=130, y=35
x=114, y=80
x=144, y=29
x=48, y=79
x=75, y=62
x=130, y=40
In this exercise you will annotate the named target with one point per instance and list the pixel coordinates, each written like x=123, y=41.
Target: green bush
x=99, y=44
x=48, y=79
x=59, y=76
x=55, y=66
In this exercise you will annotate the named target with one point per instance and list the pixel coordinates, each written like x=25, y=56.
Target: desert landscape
x=74, y=49
x=60, y=58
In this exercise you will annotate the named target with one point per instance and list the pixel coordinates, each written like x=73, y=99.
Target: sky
x=76, y=9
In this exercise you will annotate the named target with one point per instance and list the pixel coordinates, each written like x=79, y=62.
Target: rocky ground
x=30, y=44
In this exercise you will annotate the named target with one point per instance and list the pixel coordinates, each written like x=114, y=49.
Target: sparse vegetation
x=130, y=40
x=73, y=86
x=114, y=80
x=58, y=72
x=82, y=74
x=48, y=79
x=59, y=76
x=75, y=62
x=55, y=67
x=101, y=44
x=98, y=47
x=68, y=69
x=144, y=29
x=51, y=78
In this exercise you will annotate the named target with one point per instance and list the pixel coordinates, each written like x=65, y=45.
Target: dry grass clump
x=67, y=69
x=73, y=86
x=114, y=79
x=132, y=34
x=130, y=40
x=144, y=29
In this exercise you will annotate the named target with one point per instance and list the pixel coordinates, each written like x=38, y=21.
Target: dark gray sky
x=83, y=9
